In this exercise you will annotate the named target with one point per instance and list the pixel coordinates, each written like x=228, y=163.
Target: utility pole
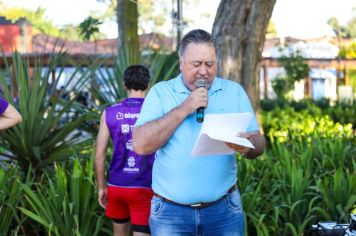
x=174, y=18
x=179, y=22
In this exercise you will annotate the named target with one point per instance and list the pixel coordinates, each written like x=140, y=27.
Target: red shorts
x=129, y=203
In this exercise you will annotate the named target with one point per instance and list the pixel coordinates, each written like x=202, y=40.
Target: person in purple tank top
x=126, y=194
x=9, y=116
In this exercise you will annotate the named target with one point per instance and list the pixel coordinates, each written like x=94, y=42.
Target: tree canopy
x=343, y=31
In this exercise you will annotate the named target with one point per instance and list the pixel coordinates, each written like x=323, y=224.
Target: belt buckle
x=197, y=205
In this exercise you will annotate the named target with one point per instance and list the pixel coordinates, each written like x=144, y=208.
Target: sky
x=296, y=18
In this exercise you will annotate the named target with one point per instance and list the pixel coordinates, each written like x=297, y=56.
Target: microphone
x=201, y=83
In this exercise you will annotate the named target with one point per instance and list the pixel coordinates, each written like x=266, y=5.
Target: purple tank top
x=3, y=105
x=127, y=169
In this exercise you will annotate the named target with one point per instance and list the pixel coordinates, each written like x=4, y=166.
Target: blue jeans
x=222, y=218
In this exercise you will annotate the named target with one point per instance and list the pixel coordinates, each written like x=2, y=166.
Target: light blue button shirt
x=176, y=174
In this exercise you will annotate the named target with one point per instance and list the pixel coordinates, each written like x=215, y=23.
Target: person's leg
x=140, y=234
x=225, y=217
x=170, y=219
x=121, y=229
x=118, y=210
x=140, y=205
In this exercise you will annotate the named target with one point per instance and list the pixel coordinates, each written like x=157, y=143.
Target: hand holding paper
x=220, y=128
x=239, y=148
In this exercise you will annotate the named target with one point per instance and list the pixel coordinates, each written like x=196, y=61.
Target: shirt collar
x=179, y=86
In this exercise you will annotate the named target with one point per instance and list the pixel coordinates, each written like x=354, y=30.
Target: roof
x=323, y=48
x=46, y=44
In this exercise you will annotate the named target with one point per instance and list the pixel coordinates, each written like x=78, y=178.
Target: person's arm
x=9, y=118
x=100, y=155
x=258, y=141
x=253, y=134
x=150, y=136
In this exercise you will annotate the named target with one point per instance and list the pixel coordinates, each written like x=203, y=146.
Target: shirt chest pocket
x=173, y=101
x=217, y=106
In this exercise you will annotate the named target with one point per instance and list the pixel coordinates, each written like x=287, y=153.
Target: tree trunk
x=127, y=21
x=239, y=28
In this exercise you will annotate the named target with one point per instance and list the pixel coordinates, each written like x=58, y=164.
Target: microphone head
x=201, y=83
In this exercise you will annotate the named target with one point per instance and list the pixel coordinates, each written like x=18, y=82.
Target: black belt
x=197, y=205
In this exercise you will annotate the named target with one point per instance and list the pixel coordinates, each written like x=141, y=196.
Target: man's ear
x=180, y=63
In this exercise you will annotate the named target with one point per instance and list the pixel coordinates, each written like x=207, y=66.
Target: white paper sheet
x=220, y=128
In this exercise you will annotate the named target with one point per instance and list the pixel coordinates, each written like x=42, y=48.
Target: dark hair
x=195, y=36
x=137, y=77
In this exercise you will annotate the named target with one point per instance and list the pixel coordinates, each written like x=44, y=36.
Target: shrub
x=50, y=128
x=64, y=202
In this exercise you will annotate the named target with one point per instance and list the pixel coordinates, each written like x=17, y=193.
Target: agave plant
x=11, y=193
x=51, y=124
x=64, y=201
x=110, y=78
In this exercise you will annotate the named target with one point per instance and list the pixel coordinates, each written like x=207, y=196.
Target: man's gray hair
x=195, y=36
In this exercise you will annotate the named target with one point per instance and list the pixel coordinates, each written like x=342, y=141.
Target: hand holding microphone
x=201, y=83
x=197, y=101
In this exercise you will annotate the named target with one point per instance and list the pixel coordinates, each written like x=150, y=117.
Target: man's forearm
x=259, y=142
x=100, y=172
x=149, y=137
